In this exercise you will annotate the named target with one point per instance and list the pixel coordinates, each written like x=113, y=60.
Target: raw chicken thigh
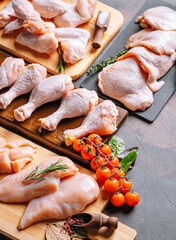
x=160, y=42
x=101, y=120
x=72, y=196
x=13, y=189
x=29, y=78
x=159, y=18
x=50, y=89
x=46, y=43
x=126, y=81
x=75, y=103
x=153, y=64
x=73, y=42
x=10, y=69
x=50, y=8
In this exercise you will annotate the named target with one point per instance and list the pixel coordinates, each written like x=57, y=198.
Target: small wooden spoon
x=94, y=221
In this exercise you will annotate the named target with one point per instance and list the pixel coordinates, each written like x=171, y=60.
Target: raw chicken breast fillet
x=125, y=81
x=72, y=196
x=159, y=18
x=160, y=42
x=101, y=120
x=13, y=189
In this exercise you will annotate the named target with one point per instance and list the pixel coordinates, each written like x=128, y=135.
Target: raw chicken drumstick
x=13, y=189
x=101, y=120
x=50, y=89
x=72, y=196
x=10, y=69
x=75, y=103
x=29, y=78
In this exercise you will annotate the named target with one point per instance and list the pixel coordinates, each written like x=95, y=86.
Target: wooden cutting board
x=76, y=70
x=30, y=127
x=11, y=213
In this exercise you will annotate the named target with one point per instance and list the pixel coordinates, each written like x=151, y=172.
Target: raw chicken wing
x=76, y=14
x=72, y=196
x=10, y=69
x=153, y=64
x=160, y=42
x=13, y=189
x=75, y=103
x=73, y=42
x=46, y=43
x=50, y=89
x=101, y=120
x=50, y=8
x=159, y=18
x=126, y=81
x=7, y=14
x=29, y=78
x=13, y=25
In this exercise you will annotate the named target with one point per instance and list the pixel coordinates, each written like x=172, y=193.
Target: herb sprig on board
x=35, y=174
x=106, y=62
x=62, y=65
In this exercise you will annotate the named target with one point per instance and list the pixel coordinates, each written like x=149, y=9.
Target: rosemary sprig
x=35, y=174
x=62, y=65
x=106, y=62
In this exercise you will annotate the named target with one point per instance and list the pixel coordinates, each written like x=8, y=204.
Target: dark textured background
x=154, y=174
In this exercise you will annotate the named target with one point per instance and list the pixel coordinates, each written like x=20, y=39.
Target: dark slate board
x=162, y=96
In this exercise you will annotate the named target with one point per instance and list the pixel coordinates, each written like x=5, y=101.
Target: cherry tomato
x=77, y=145
x=103, y=174
x=95, y=138
x=117, y=199
x=126, y=185
x=111, y=185
x=96, y=163
x=105, y=149
x=113, y=160
x=132, y=199
x=88, y=152
x=120, y=173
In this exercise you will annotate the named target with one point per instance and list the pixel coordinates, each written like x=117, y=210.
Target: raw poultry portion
x=7, y=14
x=100, y=120
x=27, y=80
x=72, y=196
x=13, y=189
x=75, y=103
x=153, y=64
x=50, y=8
x=125, y=81
x=50, y=89
x=13, y=157
x=2, y=142
x=46, y=43
x=73, y=42
x=13, y=25
x=10, y=69
x=160, y=42
x=159, y=17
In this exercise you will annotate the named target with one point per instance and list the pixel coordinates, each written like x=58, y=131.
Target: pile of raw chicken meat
x=132, y=80
x=43, y=36
x=52, y=197
x=101, y=118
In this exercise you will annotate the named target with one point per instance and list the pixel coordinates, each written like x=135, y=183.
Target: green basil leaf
x=117, y=145
x=128, y=160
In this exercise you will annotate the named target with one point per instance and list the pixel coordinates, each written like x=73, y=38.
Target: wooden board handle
x=98, y=37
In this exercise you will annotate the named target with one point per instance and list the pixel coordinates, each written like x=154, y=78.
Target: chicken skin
x=27, y=80
x=50, y=89
x=100, y=120
x=75, y=103
x=10, y=69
